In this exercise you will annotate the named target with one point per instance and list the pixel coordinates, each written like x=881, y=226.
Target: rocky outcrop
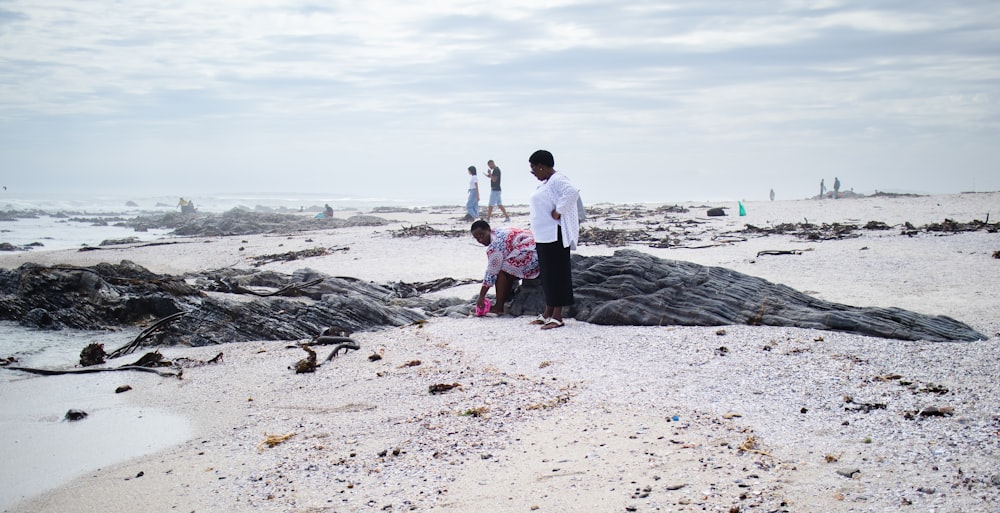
x=109, y=296
x=244, y=222
x=633, y=288
x=234, y=305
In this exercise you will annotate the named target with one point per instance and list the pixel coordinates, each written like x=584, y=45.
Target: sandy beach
x=582, y=418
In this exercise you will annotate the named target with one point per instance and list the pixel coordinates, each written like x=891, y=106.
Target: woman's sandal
x=541, y=319
x=552, y=324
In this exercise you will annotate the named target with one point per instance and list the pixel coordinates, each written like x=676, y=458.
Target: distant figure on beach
x=493, y=173
x=472, y=205
x=510, y=256
x=555, y=224
x=836, y=187
x=328, y=211
x=772, y=194
x=187, y=206
x=822, y=188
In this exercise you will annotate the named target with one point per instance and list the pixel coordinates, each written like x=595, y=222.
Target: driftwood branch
x=55, y=372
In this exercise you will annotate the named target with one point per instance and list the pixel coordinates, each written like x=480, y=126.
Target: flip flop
x=541, y=319
x=552, y=324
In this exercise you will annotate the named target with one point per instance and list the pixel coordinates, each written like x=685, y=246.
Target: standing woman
x=556, y=225
x=472, y=205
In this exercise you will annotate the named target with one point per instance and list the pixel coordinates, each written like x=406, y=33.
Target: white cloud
x=603, y=81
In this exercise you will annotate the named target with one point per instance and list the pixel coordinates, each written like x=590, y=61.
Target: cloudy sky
x=638, y=100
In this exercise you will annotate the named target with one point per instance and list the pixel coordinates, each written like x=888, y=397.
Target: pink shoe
x=487, y=304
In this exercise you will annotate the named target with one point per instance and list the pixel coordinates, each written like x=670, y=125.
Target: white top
x=473, y=181
x=558, y=194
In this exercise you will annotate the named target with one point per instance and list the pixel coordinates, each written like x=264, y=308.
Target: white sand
x=580, y=418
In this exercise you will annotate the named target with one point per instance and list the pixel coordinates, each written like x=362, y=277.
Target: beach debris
x=861, y=407
x=781, y=252
x=307, y=364
x=123, y=388
x=930, y=411
x=338, y=337
x=374, y=357
x=291, y=290
x=716, y=212
x=475, y=412
x=952, y=226
x=273, y=440
x=74, y=415
x=134, y=344
x=403, y=289
x=996, y=254
x=612, y=237
x=731, y=415
x=93, y=354
x=832, y=458
x=8, y=360
x=185, y=363
x=426, y=230
x=807, y=231
x=850, y=473
x=441, y=388
x=152, y=359
x=750, y=445
x=411, y=363
x=294, y=255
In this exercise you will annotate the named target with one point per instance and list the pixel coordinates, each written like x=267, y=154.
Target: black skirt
x=556, y=272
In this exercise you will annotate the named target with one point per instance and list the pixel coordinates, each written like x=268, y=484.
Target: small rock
x=123, y=388
x=849, y=472
x=927, y=490
x=74, y=415
x=935, y=411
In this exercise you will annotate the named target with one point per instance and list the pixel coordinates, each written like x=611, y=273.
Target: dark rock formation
x=243, y=222
x=233, y=305
x=108, y=296
x=633, y=288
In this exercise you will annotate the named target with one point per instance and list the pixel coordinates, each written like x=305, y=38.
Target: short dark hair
x=472, y=169
x=542, y=157
x=480, y=224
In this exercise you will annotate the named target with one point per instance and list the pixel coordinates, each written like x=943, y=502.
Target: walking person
x=556, y=225
x=472, y=205
x=494, y=175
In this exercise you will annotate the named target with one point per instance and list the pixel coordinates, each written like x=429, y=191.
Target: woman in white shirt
x=472, y=205
x=556, y=225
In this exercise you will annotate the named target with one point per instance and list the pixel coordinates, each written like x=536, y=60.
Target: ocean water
x=65, y=222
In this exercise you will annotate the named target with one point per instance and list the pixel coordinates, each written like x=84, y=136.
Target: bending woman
x=555, y=223
x=510, y=256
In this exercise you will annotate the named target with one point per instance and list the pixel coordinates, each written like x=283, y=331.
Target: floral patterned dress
x=511, y=250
